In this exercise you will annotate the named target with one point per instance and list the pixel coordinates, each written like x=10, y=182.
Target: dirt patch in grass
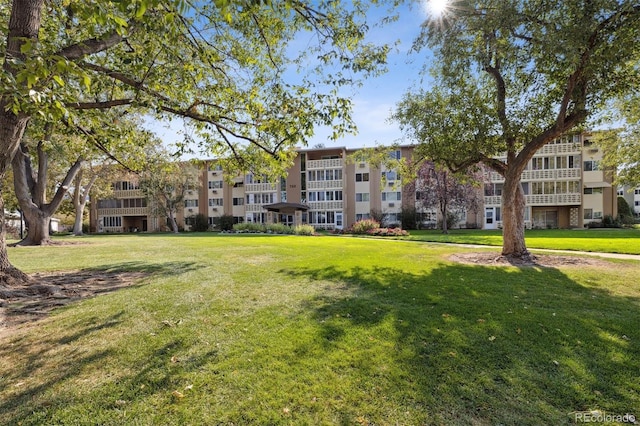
x=27, y=302
x=539, y=260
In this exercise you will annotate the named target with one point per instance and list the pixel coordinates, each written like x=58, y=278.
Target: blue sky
x=374, y=101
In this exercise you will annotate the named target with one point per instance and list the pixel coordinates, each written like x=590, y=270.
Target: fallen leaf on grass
x=177, y=394
x=492, y=338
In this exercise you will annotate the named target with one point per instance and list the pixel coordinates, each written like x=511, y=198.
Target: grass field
x=610, y=240
x=249, y=329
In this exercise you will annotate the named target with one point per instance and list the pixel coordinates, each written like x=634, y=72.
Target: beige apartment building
x=563, y=183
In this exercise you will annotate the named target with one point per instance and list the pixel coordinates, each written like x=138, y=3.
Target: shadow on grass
x=48, y=291
x=491, y=345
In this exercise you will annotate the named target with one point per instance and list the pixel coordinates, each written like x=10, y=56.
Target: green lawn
x=272, y=330
x=597, y=240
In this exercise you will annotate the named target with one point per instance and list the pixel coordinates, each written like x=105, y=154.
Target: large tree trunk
x=513, y=205
x=24, y=25
x=77, y=225
x=38, y=232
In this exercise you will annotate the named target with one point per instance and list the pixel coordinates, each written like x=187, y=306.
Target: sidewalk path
x=586, y=253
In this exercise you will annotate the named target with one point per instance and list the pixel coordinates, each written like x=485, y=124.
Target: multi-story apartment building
x=563, y=183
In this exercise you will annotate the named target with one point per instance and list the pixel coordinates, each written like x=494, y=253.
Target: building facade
x=563, y=183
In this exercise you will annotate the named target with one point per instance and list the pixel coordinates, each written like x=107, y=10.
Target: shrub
x=200, y=223
x=610, y=222
x=249, y=227
x=279, y=228
x=225, y=222
x=452, y=221
x=388, y=232
x=409, y=218
x=364, y=226
x=303, y=230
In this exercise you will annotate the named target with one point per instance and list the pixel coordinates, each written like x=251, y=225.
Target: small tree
x=450, y=193
x=165, y=184
x=625, y=212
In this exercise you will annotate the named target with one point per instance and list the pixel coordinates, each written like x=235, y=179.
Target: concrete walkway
x=568, y=252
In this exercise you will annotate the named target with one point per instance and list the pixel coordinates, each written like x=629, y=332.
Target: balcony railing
x=325, y=184
x=259, y=187
x=325, y=205
x=536, y=175
x=540, y=199
x=125, y=211
x=333, y=163
x=128, y=193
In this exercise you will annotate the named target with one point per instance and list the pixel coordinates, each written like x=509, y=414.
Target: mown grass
x=251, y=329
x=595, y=240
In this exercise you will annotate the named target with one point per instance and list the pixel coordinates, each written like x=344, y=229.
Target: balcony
x=325, y=205
x=541, y=200
x=325, y=184
x=537, y=175
x=128, y=193
x=126, y=211
x=259, y=187
x=334, y=163
x=560, y=148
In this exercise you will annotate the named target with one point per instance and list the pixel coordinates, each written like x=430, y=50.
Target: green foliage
x=452, y=220
x=279, y=228
x=200, y=223
x=224, y=222
x=506, y=82
x=304, y=230
x=250, y=227
x=625, y=212
x=364, y=226
x=409, y=217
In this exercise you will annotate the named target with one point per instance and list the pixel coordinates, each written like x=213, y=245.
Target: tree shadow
x=45, y=292
x=471, y=339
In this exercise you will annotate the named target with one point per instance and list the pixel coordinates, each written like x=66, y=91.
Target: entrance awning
x=286, y=207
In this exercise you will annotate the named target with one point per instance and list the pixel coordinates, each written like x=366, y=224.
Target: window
x=112, y=221
x=391, y=196
x=590, y=166
x=191, y=203
x=362, y=216
x=362, y=177
x=215, y=184
x=215, y=202
x=637, y=192
x=588, y=213
x=109, y=204
x=389, y=176
x=592, y=191
x=134, y=202
x=395, y=155
x=362, y=197
x=597, y=215
x=238, y=201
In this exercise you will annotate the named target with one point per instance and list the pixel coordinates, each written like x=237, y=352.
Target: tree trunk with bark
x=80, y=199
x=24, y=25
x=513, y=205
x=31, y=193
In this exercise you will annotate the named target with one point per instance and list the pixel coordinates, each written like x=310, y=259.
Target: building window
x=215, y=202
x=238, y=201
x=391, y=196
x=109, y=204
x=590, y=166
x=112, y=221
x=588, y=213
x=191, y=203
x=362, y=197
x=215, y=184
x=362, y=216
x=362, y=177
x=395, y=155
